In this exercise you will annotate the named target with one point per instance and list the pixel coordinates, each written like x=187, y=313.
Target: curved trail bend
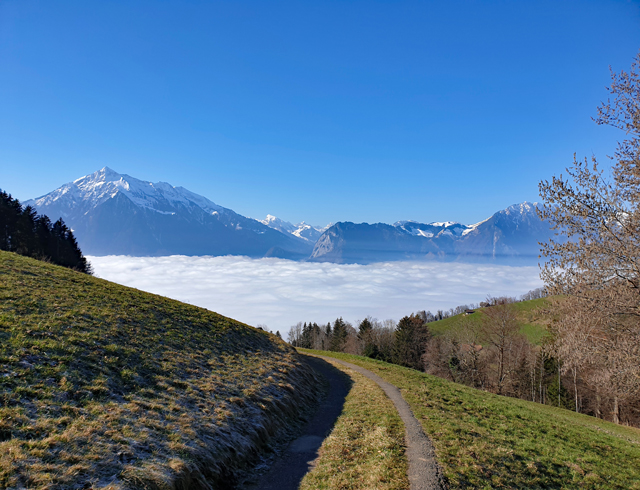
x=299, y=458
x=424, y=472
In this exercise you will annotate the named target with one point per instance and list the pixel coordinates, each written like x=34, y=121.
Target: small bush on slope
x=489, y=441
x=106, y=385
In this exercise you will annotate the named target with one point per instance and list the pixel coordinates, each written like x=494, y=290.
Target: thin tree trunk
x=559, y=385
x=541, y=376
x=500, y=370
x=616, y=411
x=532, y=375
x=575, y=386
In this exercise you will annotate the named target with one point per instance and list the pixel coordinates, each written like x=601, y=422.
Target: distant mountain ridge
x=301, y=230
x=509, y=236
x=112, y=213
x=116, y=214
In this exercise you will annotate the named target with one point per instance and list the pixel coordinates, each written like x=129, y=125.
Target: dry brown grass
x=110, y=387
x=365, y=450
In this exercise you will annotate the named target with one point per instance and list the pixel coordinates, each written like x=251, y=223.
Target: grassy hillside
x=488, y=441
x=529, y=313
x=105, y=386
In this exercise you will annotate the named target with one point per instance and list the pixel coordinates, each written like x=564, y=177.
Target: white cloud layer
x=280, y=293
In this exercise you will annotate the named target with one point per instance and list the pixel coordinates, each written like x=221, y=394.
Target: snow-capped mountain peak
x=522, y=208
x=278, y=224
x=429, y=230
x=444, y=224
x=302, y=230
x=116, y=213
x=94, y=189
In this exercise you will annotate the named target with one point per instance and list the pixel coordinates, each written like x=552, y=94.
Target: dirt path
x=299, y=457
x=424, y=472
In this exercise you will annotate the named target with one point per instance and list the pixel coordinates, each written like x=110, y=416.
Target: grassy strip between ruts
x=365, y=449
x=487, y=441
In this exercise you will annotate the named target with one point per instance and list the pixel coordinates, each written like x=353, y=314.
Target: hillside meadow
x=488, y=441
x=531, y=314
x=104, y=386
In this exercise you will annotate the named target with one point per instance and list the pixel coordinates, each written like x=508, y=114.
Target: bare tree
x=500, y=331
x=383, y=335
x=295, y=334
x=597, y=266
x=458, y=354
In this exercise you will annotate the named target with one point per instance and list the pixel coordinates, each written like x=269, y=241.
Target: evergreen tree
x=364, y=329
x=24, y=232
x=339, y=336
x=328, y=334
x=305, y=342
x=411, y=337
x=365, y=336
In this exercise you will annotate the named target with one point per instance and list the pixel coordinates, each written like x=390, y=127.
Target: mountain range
x=116, y=214
x=301, y=230
x=510, y=236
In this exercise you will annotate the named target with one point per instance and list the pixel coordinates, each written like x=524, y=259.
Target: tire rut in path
x=424, y=472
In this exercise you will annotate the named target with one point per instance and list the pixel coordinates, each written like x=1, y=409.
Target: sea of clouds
x=280, y=293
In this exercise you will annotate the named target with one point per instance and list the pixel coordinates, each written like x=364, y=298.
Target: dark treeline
x=485, y=350
x=26, y=233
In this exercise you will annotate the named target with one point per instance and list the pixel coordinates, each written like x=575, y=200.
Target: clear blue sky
x=317, y=111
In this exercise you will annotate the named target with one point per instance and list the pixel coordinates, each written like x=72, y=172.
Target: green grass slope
x=488, y=441
x=103, y=386
x=529, y=313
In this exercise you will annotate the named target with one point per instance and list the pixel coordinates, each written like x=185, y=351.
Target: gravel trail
x=424, y=471
x=286, y=474
x=298, y=459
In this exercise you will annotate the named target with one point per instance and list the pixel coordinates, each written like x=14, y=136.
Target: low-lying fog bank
x=280, y=293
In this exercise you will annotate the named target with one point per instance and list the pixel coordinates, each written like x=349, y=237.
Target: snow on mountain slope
x=301, y=230
x=114, y=213
x=278, y=224
x=92, y=190
x=429, y=230
x=509, y=236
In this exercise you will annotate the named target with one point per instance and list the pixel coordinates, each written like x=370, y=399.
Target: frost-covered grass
x=109, y=386
x=487, y=441
x=365, y=450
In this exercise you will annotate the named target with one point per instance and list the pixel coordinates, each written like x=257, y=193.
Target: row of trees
x=428, y=317
x=25, y=232
x=486, y=350
x=401, y=343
